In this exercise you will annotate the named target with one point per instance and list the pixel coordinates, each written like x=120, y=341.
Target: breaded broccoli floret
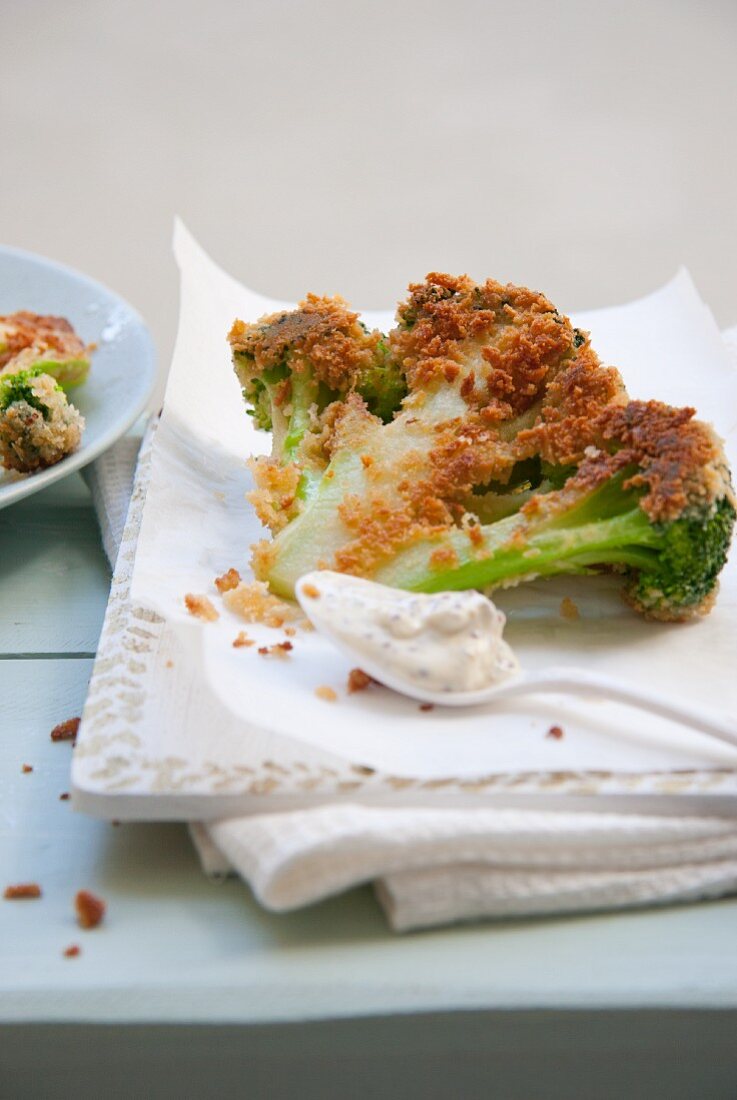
x=38, y=426
x=654, y=503
x=513, y=454
x=293, y=367
x=29, y=339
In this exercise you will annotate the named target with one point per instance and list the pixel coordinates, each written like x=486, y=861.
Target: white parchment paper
x=197, y=523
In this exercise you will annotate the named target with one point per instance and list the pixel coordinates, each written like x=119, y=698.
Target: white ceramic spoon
x=571, y=681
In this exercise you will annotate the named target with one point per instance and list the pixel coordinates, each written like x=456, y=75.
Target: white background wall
x=583, y=147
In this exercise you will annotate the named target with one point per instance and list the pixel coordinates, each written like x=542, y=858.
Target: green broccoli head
x=295, y=369
x=292, y=365
x=381, y=383
x=680, y=582
x=38, y=426
x=19, y=387
x=259, y=388
x=512, y=454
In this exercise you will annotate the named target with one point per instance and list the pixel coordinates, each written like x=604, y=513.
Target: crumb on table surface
x=66, y=731
x=22, y=890
x=90, y=909
x=569, y=610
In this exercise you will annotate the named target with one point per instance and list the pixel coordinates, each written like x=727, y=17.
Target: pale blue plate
x=123, y=374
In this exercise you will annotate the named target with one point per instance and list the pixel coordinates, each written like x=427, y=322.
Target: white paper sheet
x=197, y=524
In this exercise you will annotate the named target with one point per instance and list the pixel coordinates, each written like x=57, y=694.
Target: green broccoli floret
x=293, y=366
x=38, y=426
x=671, y=567
x=512, y=454
x=381, y=383
x=18, y=387
x=682, y=578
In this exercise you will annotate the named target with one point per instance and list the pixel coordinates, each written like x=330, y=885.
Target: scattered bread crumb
x=280, y=649
x=228, y=581
x=90, y=909
x=254, y=603
x=568, y=610
x=26, y=768
x=72, y=951
x=311, y=590
x=22, y=890
x=555, y=732
x=66, y=731
x=426, y=706
x=170, y=664
x=290, y=631
x=358, y=680
x=242, y=640
x=326, y=693
x=201, y=608
x=64, y=796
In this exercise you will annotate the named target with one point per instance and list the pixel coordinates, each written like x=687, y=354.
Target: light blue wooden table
x=189, y=989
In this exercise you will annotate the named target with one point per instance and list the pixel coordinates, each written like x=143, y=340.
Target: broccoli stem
x=303, y=396
x=312, y=538
x=67, y=372
x=605, y=527
x=493, y=557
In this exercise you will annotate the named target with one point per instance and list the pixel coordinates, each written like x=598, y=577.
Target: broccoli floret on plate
x=28, y=340
x=38, y=426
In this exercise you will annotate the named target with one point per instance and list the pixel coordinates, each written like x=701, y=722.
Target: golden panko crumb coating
x=32, y=438
x=323, y=331
x=25, y=331
x=501, y=344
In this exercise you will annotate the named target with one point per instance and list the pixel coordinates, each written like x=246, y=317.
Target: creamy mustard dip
x=442, y=643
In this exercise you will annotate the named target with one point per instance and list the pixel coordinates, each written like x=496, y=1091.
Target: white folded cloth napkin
x=438, y=866
x=434, y=867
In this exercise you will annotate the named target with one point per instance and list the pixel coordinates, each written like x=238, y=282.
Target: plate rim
x=34, y=483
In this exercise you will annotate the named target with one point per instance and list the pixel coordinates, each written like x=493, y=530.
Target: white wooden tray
x=178, y=724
